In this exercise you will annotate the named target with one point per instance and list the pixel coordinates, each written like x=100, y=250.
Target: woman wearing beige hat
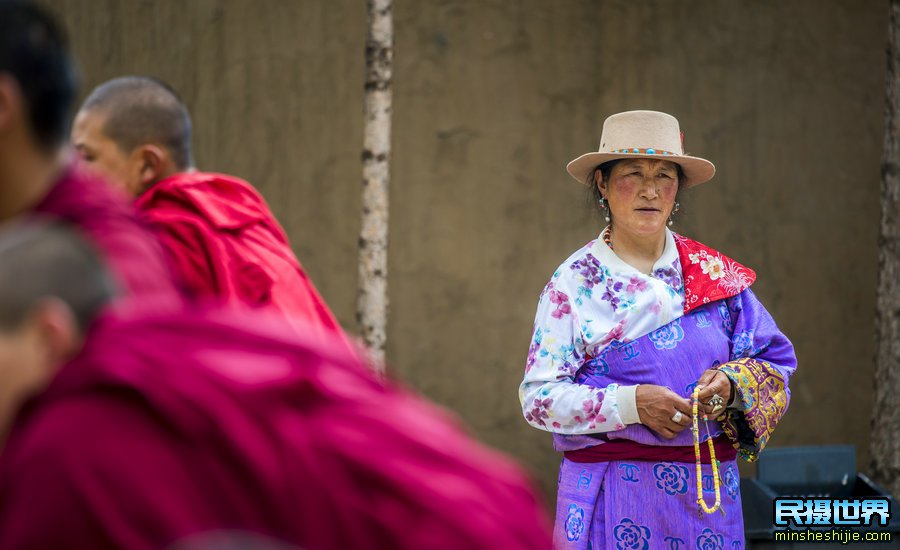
x=652, y=362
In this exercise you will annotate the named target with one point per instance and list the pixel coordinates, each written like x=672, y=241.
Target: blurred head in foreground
x=52, y=284
x=37, y=76
x=37, y=88
x=142, y=426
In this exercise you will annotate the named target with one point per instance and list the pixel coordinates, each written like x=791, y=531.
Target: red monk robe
x=106, y=218
x=226, y=245
x=170, y=425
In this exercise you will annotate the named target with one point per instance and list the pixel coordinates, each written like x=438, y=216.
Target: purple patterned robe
x=639, y=505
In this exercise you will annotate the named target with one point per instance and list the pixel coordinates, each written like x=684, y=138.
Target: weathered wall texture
x=275, y=91
x=492, y=98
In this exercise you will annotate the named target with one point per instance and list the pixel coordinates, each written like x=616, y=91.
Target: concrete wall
x=492, y=98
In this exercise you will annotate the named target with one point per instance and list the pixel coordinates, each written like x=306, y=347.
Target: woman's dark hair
x=35, y=52
x=606, y=168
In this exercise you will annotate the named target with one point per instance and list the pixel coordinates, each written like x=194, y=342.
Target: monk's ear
x=153, y=164
x=57, y=332
x=10, y=102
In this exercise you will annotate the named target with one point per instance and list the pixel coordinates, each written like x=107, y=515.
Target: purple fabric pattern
x=642, y=504
x=639, y=505
x=675, y=355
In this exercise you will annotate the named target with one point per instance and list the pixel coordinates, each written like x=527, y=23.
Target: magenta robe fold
x=173, y=424
x=106, y=217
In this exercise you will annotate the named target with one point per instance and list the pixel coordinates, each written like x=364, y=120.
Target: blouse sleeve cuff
x=625, y=398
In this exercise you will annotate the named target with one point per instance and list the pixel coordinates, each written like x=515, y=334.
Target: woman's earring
x=672, y=215
x=604, y=206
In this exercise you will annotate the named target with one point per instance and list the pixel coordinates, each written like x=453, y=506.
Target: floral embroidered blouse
x=602, y=328
x=592, y=300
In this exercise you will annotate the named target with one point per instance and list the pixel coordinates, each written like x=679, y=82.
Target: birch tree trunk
x=372, y=298
x=886, y=414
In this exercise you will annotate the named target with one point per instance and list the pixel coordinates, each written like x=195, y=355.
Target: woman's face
x=641, y=195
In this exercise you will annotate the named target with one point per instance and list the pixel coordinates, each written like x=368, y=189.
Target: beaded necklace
x=606, y=238
x=703, y=507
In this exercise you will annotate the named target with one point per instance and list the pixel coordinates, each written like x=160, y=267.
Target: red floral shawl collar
x=708, y=274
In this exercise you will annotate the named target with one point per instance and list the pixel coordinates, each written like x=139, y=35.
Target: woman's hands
x=715, y=383
x=657, y=405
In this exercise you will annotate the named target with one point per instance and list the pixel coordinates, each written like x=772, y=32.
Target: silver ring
x=677, y=418
x=716, y=402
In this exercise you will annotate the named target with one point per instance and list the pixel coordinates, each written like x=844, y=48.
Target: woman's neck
x=638, y=251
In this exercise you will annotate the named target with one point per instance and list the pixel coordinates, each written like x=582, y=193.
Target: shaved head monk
x=220, y=235
x=37, y=174
x=158, y=427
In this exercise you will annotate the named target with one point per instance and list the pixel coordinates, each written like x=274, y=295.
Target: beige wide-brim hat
x=643, y=134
